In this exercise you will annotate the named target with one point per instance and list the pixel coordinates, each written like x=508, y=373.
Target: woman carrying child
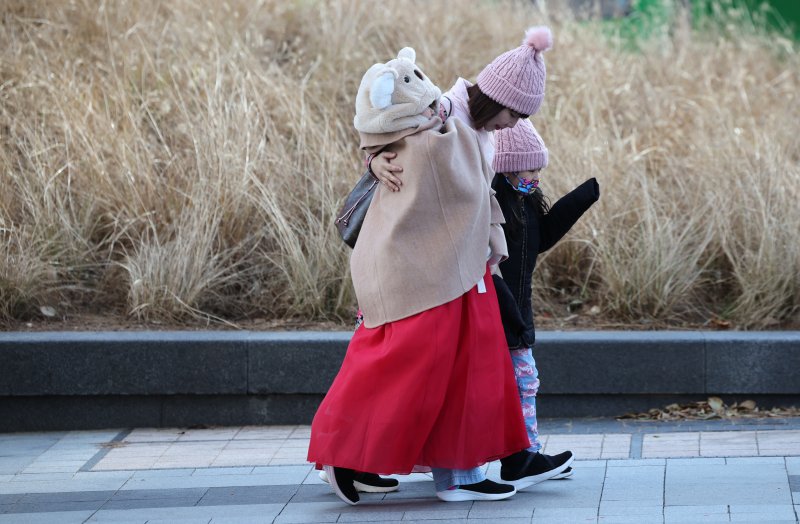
x=507, y=91
x=427, y=381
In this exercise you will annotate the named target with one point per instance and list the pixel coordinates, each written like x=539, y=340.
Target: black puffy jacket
x=534, y=234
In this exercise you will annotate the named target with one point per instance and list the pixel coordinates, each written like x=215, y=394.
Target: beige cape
x=426, y=244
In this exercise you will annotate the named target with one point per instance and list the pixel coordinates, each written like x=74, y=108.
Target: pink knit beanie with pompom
x=516, y=78
x=518, y=148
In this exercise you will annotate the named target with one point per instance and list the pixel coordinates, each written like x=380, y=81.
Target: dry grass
x=181, y=159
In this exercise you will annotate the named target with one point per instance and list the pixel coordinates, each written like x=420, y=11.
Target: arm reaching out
x=566, y=212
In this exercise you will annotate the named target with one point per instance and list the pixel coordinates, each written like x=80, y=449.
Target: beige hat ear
x=380, y=92
x=409, y=54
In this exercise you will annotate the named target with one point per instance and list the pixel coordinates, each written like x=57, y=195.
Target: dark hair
x=507, y=197
x=482, y=108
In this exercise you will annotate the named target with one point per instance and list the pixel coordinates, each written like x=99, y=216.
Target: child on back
x=531, y=227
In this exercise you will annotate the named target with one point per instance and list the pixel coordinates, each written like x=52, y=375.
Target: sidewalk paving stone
x=33, y=477
x=699, y=512
x=565, y=514
x=793, y=465
x=67, y=496
x=58, y=486
x=172, y=502
x=415, y=490
x=762, y=512
x=249, y=513
x=623, y=519
x=240, y=495
x=439, y=513
x=697, y=461
x=626, y=472
x=11, y=499
x=365, y=515
x=199, y=520
x=49, y=507
x=755, y=460
x=515, y=507
x=309, y=512
x=610, y=508
x=60, y=517
x=322, y=493
x=160, y=473
x=153, y=494
x=223, y=471
x=627, y=463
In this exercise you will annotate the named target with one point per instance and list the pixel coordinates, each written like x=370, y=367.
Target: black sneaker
x=484, y=490
x=564, y=474
x=372, y=483
x=525, y=469
x=368, y=482
x=341, y=481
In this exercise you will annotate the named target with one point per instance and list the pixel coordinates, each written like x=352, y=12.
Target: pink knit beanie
x=518, y=148
x=515, y=79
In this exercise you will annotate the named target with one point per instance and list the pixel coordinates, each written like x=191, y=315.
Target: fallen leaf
x=704, y=410
x=715, y=403
x=48, y=311
x=719, y=323
x=748, y=404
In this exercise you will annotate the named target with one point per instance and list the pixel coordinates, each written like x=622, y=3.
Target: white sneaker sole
x=364, y=488
x=565, y=474
x=527, y=482
x=459, y=495
x=329, y=472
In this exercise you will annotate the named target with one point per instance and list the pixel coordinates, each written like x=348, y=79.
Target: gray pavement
x=626, y=471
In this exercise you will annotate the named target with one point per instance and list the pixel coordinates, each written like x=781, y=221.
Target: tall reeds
x=183, y=159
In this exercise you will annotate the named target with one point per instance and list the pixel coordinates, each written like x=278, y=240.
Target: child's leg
x=528, y=384
x=446, y=478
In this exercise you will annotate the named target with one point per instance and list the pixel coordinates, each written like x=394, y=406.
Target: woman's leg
x=528, y=385
x=447, y=478
x=456, y=485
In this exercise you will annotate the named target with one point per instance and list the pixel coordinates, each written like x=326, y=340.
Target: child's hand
x=385, y=171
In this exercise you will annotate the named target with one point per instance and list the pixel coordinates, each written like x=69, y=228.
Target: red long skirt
x=436, y=389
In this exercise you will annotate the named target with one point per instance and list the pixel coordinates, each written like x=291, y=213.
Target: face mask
x=524, y=185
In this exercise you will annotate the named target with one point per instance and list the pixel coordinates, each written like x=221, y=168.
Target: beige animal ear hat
x=392, y=96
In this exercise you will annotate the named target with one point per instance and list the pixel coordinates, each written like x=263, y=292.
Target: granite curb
x=66, y=380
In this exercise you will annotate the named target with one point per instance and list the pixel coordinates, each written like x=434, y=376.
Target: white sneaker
x=564, y=474
x=484, y=490
x=342, y=484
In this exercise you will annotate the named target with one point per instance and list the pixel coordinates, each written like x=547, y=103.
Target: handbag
x=351, y=215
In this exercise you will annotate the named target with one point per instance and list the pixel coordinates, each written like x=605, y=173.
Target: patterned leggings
x=528, y=384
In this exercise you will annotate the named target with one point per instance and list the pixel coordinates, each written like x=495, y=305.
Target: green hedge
x=649, y=18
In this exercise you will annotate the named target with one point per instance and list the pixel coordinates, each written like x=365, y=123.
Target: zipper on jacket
x=520, y=294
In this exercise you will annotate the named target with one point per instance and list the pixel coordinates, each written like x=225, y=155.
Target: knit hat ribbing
x=516, y=78
x=519, y=148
